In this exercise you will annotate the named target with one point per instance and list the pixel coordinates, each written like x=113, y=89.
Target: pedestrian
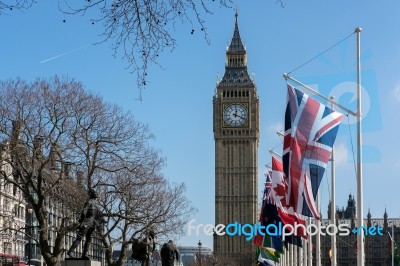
x=169, y=253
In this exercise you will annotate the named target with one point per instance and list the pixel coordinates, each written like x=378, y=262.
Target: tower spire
x=236, y=12
x=236, y=45
x=236, y=60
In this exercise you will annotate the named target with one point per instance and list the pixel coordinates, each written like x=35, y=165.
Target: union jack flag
x=310, y=132
x=269, y=213
x=267, y=199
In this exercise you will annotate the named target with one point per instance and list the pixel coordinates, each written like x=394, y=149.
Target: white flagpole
x=318, y=237
x=360, y=221
x=333, y=203
x=305, y=244
x=287, y=77
x=309, y=250
x=291, y=253
x=301, y=253
x=360, y=216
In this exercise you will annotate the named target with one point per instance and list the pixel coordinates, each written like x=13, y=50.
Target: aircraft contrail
x=63, y=54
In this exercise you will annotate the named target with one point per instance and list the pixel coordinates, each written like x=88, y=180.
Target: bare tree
x=10, y=5
x=137, y=205
x=140, y=30
x=59, y=140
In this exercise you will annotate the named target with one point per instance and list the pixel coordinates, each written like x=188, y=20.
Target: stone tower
x=236, y=134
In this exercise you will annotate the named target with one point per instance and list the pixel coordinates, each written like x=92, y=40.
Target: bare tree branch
x=58, y=141
x=141, y=30
x=10, y=5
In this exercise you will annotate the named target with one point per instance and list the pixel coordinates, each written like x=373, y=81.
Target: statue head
x=152, y=233
x=93, y=193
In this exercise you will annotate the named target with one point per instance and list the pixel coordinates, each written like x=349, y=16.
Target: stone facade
x=12, y=212
x=377, y=248
x=236, y=134
x=19, y=229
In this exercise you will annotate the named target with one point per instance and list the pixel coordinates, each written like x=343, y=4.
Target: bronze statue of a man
x=87, y=221
x=169, y=253
x=150, y=247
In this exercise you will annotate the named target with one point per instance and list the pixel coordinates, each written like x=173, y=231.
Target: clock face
x=235, y=115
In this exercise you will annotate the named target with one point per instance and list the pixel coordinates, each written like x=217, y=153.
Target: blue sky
x=177, y=104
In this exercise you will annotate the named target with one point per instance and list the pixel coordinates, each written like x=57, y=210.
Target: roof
x=236, y=67
x=236, y=45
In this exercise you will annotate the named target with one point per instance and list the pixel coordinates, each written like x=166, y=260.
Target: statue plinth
x=79, y=262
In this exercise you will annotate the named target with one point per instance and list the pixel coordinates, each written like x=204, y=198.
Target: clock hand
x=236, y=115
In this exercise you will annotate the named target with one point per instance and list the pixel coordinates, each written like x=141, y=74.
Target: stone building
x=377, y=247
x=19, y=229
x=12, y=212
x=236, y=134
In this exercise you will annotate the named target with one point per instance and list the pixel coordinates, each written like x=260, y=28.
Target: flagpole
x=333, y=201
x=274, y=152
x=287, y=77
x=305, y=244
x=301, y=253
x=309, y=250
x=318, y=236
x=360, y=218
x=291, y=254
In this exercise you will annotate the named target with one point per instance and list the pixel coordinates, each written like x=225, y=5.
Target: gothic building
x=377, y=247
x=236, y=134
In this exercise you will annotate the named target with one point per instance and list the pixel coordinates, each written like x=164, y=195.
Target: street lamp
x=199, y=245
x=30, y=211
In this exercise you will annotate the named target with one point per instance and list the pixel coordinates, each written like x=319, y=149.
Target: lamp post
x=156, y=256
x=199, y=245
x=30, y=211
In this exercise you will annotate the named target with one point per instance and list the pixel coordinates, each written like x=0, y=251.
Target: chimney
x=38, y=146
x=18, y=150
x=79, y=178
x=53, y=156
x=2, y=151
x=16, y=131
x=67, y=169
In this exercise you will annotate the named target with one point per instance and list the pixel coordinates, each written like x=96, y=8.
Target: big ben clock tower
x=236, y=134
